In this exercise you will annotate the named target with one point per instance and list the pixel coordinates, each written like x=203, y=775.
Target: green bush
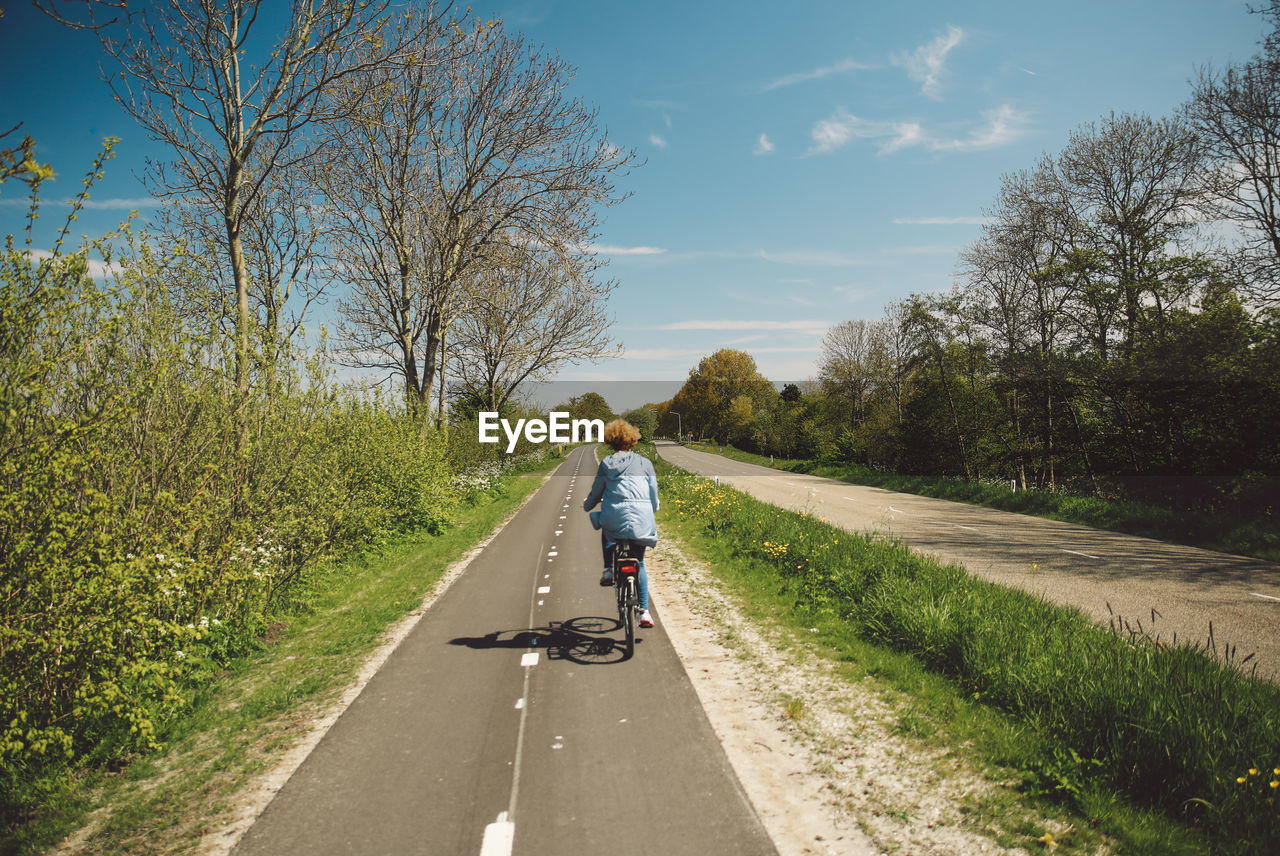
x=150, y=516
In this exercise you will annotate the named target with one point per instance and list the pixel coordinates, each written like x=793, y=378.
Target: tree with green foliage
x=589, y=405
x=141, y=545
x=722, y=395
x=645, y=420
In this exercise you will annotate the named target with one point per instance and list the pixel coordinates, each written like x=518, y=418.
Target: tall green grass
x=1171, y=727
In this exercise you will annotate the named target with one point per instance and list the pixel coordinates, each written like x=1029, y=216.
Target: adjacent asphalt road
x=1168, y=588
x=509, y=722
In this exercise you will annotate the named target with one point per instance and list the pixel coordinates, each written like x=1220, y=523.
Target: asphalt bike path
x=509, y=722
x=1165, y=588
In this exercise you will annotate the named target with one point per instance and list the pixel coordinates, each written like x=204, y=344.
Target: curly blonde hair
x=621, y=435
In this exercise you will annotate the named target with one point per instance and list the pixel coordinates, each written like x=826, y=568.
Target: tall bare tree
x=484, y=149
x=376, y=176
x=231, y=101
x=284, y=236
x=1136, y=183
x=1018, y=290
x=846, y=370
x=1237, y=111
x=529, y=314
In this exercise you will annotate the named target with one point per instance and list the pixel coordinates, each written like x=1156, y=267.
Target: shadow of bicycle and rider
x=579, y=640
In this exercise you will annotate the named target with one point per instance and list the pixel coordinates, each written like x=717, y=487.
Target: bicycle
x=626, y=587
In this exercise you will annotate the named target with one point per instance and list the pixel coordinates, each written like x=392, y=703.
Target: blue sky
x=805, y=163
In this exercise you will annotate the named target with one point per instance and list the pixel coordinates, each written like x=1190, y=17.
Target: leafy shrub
x=151, y=516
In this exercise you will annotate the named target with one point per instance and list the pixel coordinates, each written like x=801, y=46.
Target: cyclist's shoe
x=646, y=620
x=606, y=579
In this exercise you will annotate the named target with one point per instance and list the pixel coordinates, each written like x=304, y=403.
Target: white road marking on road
x=896, y=510
x=1078, y=553
x=970, y=528
x=499, y=837
x=544, y=589
x=1266, y=596
x=529, y=659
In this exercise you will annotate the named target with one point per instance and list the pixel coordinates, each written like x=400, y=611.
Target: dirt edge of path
x=817, y=755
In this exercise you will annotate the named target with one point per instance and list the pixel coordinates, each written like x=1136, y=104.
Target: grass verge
x=1163, y=748
x=238, y=725
x=1194, y=528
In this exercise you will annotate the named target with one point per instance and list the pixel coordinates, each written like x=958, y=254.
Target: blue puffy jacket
x=627, y=489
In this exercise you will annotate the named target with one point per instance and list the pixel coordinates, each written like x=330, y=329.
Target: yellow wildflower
x=1240, y=780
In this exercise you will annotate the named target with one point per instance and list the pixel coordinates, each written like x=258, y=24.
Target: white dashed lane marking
x=499, y=837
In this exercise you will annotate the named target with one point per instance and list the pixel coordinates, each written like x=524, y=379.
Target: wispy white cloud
x=658, y=141
x=111, y=204
x=803, y=349
x=939, y=221
x=664, y=354
x=763, y=145
x=739, y=324
x=838, y=130
x=614, y=250
x=841, y=67
x=738, y=341
x=97, y=268
x=925, y=64
x=928, y=250
x=824, y=258
x=656, y=103
x=834, y=133
x=1002, y=126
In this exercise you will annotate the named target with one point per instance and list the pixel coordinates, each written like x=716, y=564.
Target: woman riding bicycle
x=627, y=489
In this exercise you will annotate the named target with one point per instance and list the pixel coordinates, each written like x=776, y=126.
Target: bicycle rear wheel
x=631, y=599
